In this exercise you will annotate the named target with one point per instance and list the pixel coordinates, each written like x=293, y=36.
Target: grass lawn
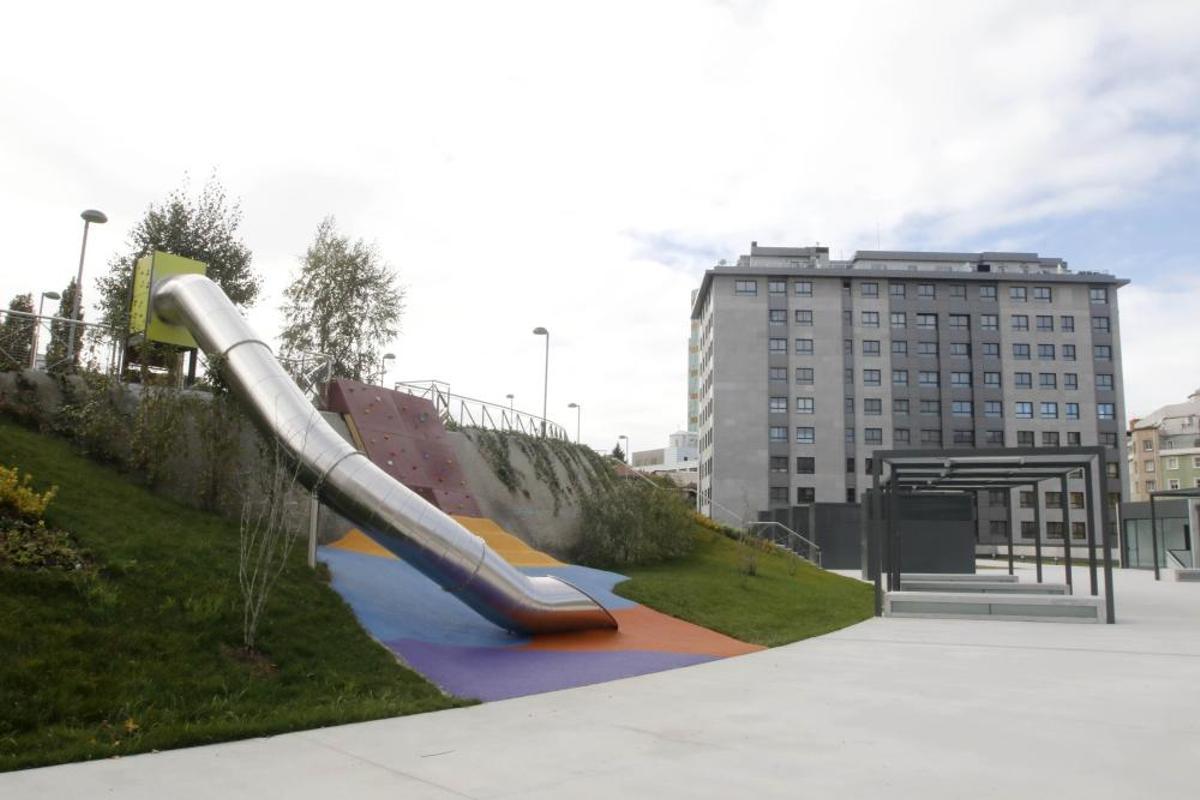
x=787, y=600
x=141, y=653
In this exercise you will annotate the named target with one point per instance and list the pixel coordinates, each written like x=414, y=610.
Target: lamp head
x=572, y=405
x=52, y=295
x=540, y=331
x=92, y=215
x=389, y=356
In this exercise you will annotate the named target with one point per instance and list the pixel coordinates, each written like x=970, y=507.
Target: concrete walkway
x=889, y=708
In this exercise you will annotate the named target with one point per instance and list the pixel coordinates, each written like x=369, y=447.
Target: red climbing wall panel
x=403, y=436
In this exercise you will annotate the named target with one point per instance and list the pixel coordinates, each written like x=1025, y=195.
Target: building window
x=804, y=375
x=1070, y=380
x=1078, y=530
x=847, y=317
x=927, y=378
x=987, y=292
x=1023, y=380
x=926, y=291
x=900, y=348
x=1049, y=438
x=805, y=465
x=779, y=494
x=1027, y=499
x=804, y=405
x=849, y=435
x=873, y=435
x=1047, y=380
x=1148, y=465
x=1101, y=324
x=896, y=289
x=1106, y=411
x=1054, y=529
x=960, y=379
x=931, y=408
x=847, y=375
x=927, y=321
x=779, y=464
x=997, y=498
x=1043, y=294
x=998, y=528
x=850, y=466
x=961, y=408
x=870, y=319
x=993, y=408
x=1017, y=294
x=1076, y=499
x=805, y=494
x=1150, y=486
x=960, y=349
x=777, y=405
x=1072, y=410
x=777, y=345
x=1046, y=352
x=899, y=319
x=1020, y=322
x=745, y=287
x=871, y=377
x=960, y=321
x=870, y=347
x=1074, y=439
x=1098, y=294
x=777, y=373
x=1021, y=351
x=900, y=406
x=957, y=290
x=1068, y=352
x=927, y=349
x=777, y=287
x=1028, y=529
x=777, y=316
x=1102, y=352
x=1048, y=411
x=991, y=380
x=995, y=437
x=991, y=349
x=872, y=406
x=806, y=435
x=777, y=433
x=1024, y=410
x=802, y=288
x=1104, y=383
x=804, y=316
x=931, y=436
x=869, y=289
x=1045, y=322
x=1109, y=439
x=1024, y=438
x=900, y=377
x=1067, y=323
x=989, y=322
x=901, y=436
x=804, y=347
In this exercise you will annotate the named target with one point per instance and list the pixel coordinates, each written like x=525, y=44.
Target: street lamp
x=383, y=364
x=578, y=411
x=37, y=327
x=628, y=453
x=510, y=401
x=89, y=216
x=540, y=331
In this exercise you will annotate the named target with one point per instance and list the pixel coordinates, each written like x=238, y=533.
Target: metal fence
x=33, y=341
x=310, y=371
x=469, y=412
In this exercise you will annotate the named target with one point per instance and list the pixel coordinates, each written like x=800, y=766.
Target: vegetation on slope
x=138, y=649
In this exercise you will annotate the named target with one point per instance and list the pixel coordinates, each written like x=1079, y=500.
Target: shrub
x=19, y=499
x=634, y=523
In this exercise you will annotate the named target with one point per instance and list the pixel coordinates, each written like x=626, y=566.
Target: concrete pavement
x=895, y=707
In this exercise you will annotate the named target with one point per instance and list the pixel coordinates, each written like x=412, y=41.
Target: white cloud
x=519, y=162
x=1161, y=362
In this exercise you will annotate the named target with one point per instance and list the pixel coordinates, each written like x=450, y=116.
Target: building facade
x=1164, y=449
x=808, y=365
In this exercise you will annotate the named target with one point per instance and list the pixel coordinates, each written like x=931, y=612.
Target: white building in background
x=681, y=455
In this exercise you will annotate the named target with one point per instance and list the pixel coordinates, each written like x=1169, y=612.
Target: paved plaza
x=891, y=708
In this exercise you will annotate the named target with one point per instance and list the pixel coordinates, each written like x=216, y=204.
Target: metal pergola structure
x=979, y=469
x=1154, y=521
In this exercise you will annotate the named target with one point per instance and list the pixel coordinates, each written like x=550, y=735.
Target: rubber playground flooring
x=444, y=640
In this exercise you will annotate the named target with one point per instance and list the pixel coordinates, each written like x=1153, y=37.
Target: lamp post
x=37, y=326
x=540, y=331
x=578, y=412
x=89, y=216
x=510, y=401
x=383, y=364
x=628, y=454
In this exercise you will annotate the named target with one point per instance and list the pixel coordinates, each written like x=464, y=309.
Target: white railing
x=310, y=371
x=468, y=412
x=33, y=341
x=777, y=532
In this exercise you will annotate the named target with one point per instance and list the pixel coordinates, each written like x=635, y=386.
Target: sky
x=578, y=166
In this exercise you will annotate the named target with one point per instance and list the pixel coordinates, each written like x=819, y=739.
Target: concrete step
x=996, y=587
x=979, y=605
x=986, y=577
x=1187, y=575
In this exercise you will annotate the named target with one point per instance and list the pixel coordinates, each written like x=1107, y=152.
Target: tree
x=204, y=228
x=344, y=302
x=56, y=350
x=618, y=453
x=16, y=334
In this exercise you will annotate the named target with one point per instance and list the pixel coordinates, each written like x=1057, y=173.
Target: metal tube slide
x=456, y=559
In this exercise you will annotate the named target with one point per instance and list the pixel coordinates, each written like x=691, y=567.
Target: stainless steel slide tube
x=456, y=559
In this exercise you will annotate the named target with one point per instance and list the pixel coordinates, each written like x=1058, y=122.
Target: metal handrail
x=472, y=412
x=814, y=548
x=40, y=330
x=310, y=370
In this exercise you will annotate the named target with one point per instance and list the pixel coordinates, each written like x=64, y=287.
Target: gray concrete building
x=808, y=365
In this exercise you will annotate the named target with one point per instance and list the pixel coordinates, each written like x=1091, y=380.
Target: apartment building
x=1164, y=449
x=809, y=365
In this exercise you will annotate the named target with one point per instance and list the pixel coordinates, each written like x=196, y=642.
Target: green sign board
x=147, y=273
